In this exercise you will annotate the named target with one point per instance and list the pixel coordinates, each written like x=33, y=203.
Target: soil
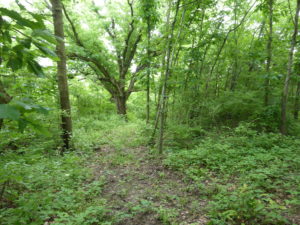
x=140, y=190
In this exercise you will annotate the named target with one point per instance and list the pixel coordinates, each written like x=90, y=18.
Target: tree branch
x=226, y=38
x=75, y=33
x=129, y=33
x=291, y=14
x=99, y=66
x=134, y=78
x=127, y=61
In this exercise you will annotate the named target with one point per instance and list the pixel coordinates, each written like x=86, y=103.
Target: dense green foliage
x=249, y=177
x=202, y=81
x=39, y=185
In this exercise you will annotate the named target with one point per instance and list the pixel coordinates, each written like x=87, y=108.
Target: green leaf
x=20, y=5
x=15, y=63
x=27, y=106
x=22, y=124
x=48, y=52
x=9, y=112
x=18, y=49
x=45, y=34
x=37, y=126
x=26, y=42
x=39, y=18
x=20, y=20
x=7, y=37
x=34, y=67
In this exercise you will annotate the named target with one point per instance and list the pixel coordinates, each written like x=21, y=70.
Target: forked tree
x=113, y=69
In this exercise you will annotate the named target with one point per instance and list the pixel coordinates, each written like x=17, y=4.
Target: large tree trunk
x=284, y=99
x=66, y=122
x=121, y=105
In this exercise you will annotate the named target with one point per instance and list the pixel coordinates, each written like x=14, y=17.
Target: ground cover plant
x=249, y=177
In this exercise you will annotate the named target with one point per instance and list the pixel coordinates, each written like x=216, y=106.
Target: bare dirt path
x=140, y=190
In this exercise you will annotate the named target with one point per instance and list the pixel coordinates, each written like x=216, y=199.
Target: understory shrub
x=38, y=187
x=182, y=136
x=112, y=130
x=250, y=177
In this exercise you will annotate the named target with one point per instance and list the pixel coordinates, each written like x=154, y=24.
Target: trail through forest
x=139, y=190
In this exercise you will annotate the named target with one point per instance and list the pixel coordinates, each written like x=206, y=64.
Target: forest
x=149, y=112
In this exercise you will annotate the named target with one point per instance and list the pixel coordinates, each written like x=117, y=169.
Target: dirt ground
x=140, y=190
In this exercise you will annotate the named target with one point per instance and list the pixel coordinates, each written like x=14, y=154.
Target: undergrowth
x=38, y=185
x=114, y=131
x=248, y=177
x=39, y=188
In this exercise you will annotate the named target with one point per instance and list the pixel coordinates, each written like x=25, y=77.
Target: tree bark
x=236, y=63
x=66, y=122
x=148, y=72
x=165, y=82
x=121, y=105
x=269, y=54
x=284, y=99
x=297, y=105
